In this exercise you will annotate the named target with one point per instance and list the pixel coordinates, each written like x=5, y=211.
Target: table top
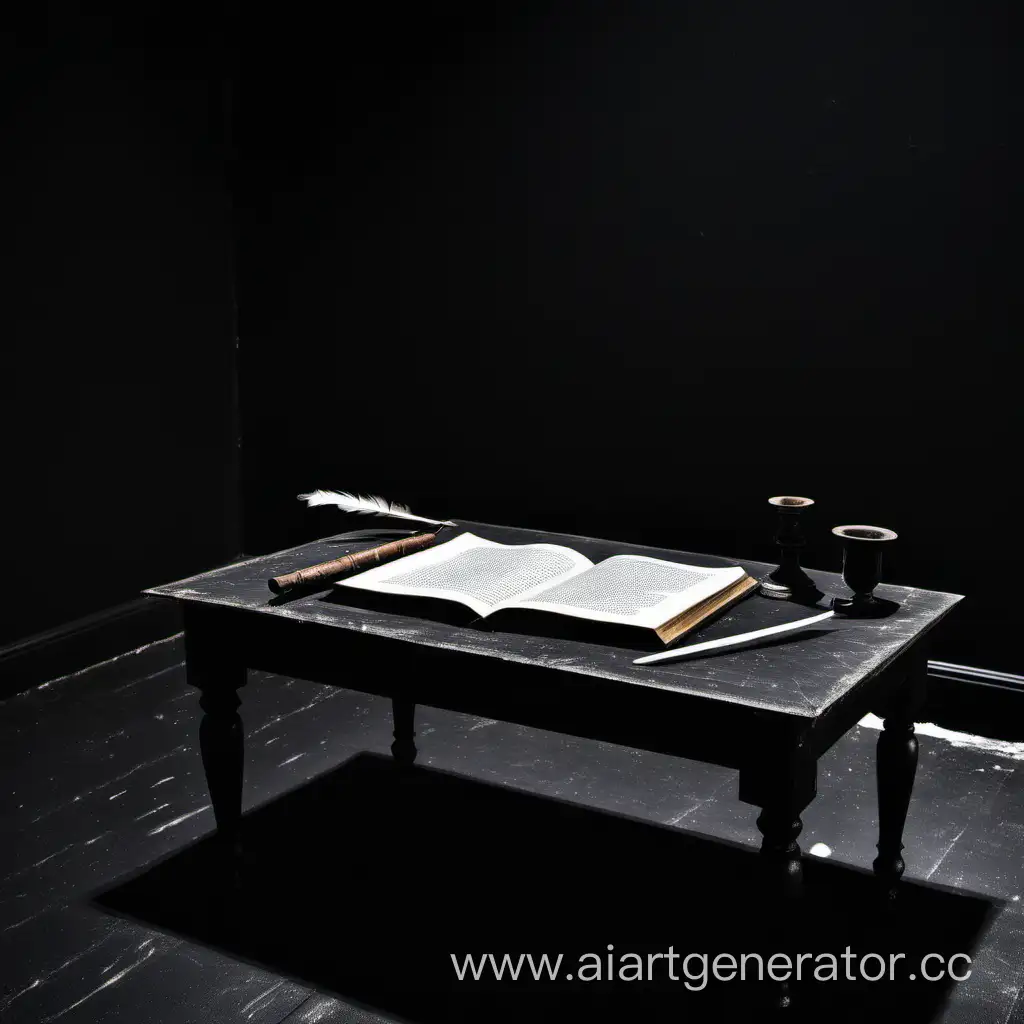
x=801, y=678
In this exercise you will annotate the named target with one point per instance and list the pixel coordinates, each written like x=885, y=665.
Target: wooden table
x=770, y=712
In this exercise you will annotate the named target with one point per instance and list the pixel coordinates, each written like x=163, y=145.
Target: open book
x=668, y=598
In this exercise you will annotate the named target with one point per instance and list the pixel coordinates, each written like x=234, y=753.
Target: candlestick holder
x=862, y=570
x=789, y=582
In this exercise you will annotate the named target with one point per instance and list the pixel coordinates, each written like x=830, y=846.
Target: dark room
x=510, y=513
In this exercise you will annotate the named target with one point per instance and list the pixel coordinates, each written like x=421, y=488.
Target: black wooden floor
x=361, y=879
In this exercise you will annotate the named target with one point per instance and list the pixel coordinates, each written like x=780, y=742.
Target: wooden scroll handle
x=326, y=571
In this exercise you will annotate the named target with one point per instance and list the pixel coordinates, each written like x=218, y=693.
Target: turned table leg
x=896, y=766
x=780, y=826
x=403, y=712
x=218, y=678
x=782, y=783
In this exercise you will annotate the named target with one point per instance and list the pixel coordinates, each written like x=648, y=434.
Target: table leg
x=780, y=826
x=219, y=678
x=403, y=712
x=782, y=784
x=896, y=766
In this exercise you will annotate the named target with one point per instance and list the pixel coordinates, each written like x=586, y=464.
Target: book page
x=481, y=574
x=632, y=590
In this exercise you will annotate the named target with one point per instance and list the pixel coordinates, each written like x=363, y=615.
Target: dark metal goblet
x=789, y=581
x=862, y=569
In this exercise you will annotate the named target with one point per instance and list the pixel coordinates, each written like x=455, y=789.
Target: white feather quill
x=368, y=505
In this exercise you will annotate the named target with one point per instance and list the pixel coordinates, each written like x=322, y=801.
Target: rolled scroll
x=327, y=571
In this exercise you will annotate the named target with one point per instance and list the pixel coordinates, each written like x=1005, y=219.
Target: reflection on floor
x=360, y=880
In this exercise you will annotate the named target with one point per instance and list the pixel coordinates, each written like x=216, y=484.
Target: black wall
x=629, y=271
x=118, y=413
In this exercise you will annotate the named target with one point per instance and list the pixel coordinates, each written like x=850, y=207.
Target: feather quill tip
x=367, y=505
